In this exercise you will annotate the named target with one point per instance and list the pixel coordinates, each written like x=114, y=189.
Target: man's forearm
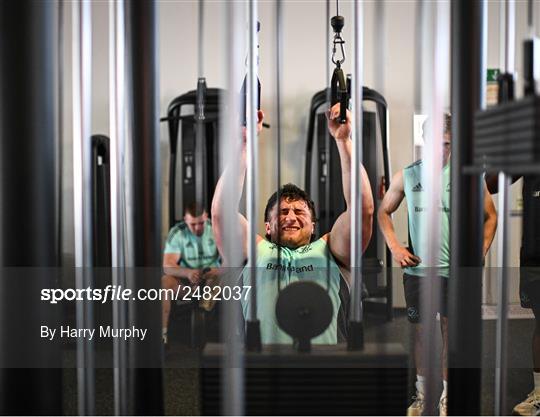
x=490, y=227
x=387, y=228
x=345, y=157
x=177, y=271
x=224, y=181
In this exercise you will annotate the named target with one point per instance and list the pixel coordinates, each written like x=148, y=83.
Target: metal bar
x=28, y=181
x=483, y=55
x=380, y=50
x=232, y=379
x=418, y=79
x=502, y=296
x=117, y=99
x=388, y=259
x=200, y=126
x=510, y=36
x=279, y=75
x=200, y=55
x=252, y=155
x=328, y=51
x=356, y=167
x=530, y=17
x=143, y=204
x=466, y=208
x=327, y=139
x=435, y=43
x=60, y=125
x=82, y=191
x=502, y=35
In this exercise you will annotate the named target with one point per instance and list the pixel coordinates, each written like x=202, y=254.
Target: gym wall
x=304, y=62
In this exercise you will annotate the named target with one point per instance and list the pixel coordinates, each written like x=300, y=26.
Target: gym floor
x=181, y=376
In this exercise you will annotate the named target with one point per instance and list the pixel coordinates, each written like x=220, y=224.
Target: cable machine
x=322, y=172
x=506, y=139
x=288, y=375
x=322, y=167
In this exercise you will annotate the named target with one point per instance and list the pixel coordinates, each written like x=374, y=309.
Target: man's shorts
x=529, y=288
x=412, y=285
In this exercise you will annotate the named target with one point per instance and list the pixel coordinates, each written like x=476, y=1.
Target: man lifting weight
x=290, y=226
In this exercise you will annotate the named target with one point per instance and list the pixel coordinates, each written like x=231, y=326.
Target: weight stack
x=327, y=381
x=507, y=137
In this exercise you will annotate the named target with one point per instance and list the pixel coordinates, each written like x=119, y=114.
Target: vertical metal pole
x=143, y=198
x=418, y=41
x=252, y=154
x=28, y=181
x=467, y=217
x=60, y=124
x=379, y=82
x=530, y=17
x=117, y=98
x=356, y=182
x=510, y=36
x=435, y=72
x=82, y=192
x=200, y=52
x=502, y=239
x=502, y=306
x=232, y=379
x=201, y=181
x=328, y=51
x=327, y=137
x=380, y=50
x=279, y=73
x=502, y=34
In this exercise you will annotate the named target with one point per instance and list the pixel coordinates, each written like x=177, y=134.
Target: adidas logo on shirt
x=417, y=188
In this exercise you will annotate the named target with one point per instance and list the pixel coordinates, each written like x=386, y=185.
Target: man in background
x=190, y=258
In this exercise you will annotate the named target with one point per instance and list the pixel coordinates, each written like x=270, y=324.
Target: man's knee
x=168, y=282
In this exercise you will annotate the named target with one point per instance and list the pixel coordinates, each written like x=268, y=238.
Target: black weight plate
x=304, y=310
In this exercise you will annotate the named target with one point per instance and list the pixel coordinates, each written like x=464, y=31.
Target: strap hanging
x=339, y=86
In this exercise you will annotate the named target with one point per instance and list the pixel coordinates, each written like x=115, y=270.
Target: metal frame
x=29, y=154
x=465, y=294
x=117, y=111
x=232, y=376
x=356, y=169
x=503, y=218
x=82, y=192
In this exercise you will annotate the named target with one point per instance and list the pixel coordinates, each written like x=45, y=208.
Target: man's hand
x=405, y=258
x=260, y=118
x=211, y=274
x=194, y=276
x=337, y=130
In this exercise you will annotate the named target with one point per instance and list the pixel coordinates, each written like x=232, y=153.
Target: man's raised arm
x=339, y=239
x=223, y=192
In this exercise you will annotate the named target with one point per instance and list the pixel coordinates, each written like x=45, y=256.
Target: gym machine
x=506, y=144
x=353, y=378
x=322, y=173
x=187, y=146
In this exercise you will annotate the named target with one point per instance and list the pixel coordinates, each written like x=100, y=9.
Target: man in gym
x=407, y=184
x=190, y=257
x=290, y=228
x=529, y=278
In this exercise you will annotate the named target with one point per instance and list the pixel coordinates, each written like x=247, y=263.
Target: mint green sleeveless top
x=196, y=252
x=418, y=213
x=311, y=262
